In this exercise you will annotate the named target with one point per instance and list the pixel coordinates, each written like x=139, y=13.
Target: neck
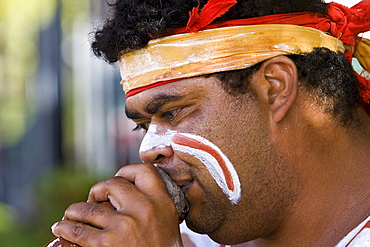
x=334, y=164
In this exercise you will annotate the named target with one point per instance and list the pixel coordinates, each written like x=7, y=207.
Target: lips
x=182, y=183
x=181, y=179
x=185, y=186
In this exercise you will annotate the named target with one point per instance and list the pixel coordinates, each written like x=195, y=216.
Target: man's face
x=198, y=108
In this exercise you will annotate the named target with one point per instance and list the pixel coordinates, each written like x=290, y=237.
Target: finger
x=78, y=233
x=94, y=214
x=119, y=191
x=145, y=177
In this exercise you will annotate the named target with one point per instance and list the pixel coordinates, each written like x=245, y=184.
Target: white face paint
x=153, y=140
x=205, y=151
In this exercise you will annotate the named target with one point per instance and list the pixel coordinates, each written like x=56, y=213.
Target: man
x=253, y=109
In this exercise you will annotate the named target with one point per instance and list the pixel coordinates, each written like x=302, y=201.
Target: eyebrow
x=154, y=105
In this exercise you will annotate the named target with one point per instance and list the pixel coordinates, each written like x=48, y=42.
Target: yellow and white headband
x=216, y=50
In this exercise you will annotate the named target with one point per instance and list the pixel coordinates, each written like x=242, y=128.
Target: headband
x=203, y=47
x=216, y=50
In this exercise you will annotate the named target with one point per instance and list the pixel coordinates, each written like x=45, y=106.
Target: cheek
x=218, y=165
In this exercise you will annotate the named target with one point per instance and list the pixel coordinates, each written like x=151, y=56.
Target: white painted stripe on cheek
x=214, y=169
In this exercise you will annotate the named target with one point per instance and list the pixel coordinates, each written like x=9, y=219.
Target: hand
x=145, y=214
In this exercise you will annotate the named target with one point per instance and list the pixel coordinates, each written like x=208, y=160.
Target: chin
x=204, y=218
x=200, y=223
x=216, y=218
x=225, y=237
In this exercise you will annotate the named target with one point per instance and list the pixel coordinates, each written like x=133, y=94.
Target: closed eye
x=144, y=127
x=170, y=115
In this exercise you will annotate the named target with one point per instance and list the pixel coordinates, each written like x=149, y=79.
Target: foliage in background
x=20, y=22
x=56, y=192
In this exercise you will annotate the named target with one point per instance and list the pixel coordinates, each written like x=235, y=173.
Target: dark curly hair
x=327, y=75
x=132, y=23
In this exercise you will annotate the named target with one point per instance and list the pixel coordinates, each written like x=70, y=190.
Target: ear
x=277, y=84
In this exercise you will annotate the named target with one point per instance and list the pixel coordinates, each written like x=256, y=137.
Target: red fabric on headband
x=140, y=89
x=342, y=22
x=212, y=10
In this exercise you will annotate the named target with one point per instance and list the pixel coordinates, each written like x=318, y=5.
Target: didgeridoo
x=177, y=196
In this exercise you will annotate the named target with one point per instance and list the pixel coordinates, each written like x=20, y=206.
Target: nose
x=156, y=154
x=155, y=146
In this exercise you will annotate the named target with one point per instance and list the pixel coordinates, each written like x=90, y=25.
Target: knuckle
x=90, y=209
x=96, y=188
x=72, y=209
x=83, y=210
x=101, y=191
x=114, y=181
x=78, y=231
x=119, y=183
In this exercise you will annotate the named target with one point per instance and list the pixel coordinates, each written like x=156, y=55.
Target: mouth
x=176, y=193
x=185, y=186
x=184, y=182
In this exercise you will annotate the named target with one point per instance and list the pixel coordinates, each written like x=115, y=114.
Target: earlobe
x=281, y=76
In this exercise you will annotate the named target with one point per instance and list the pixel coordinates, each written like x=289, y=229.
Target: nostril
x=156, y=154
x=159, y=157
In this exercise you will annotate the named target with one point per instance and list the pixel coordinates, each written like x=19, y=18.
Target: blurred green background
x=62, y=123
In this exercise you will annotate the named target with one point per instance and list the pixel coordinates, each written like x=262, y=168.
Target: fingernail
x=53, y=227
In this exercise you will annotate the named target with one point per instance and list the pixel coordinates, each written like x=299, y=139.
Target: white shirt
x=358, y=237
